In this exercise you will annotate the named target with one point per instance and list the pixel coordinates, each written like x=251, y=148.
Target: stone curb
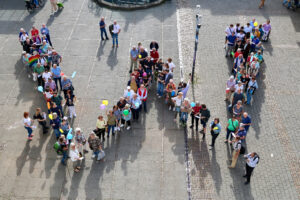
x=128, y=7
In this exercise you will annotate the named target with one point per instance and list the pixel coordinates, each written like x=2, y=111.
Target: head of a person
x=268, y=21
x=54, y=66
x=171, y=81
x=203, y=106
x=65, y=78
x=102, y=18
x=26, y=114
x=186, y=101
x=239, y=103
x=54, y=105
x=180, y=94
x=240, y=56
x=132, y=78
x=142, y=49
x=92, y=135
x=33, y=28
x=233, y=33
x=115, y=108
x=38, y=65
x=245, y=114
x=237, y=138
x=216, y=120
x=64, y=121
x=233, y=117
x=44, y=42
x=231, y=25
x=110, y=112
x=134, y=96
x=134, y=48
x=197, y=103
x=248, y=24
x=38, y=110
x=253, y=154
x=115, y=22
x=100, y=117
x=54, y=52
x=253, y=78
x=153, y=49
x=22, y=30
x=239, y=91
x=142, y=86
x=237, y=25
x=169, y=60
x=78, y=130
x=44, y=25
x=239, y=83
x=72, y=145
x=54, y=115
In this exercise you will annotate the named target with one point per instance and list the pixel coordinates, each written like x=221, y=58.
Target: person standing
x=246, y=120
x=230, y=88
x=262, y=3
x=185, y=110
x=232, y=126
x=236, y=151
x=28, y=125
x=177, y=103
x=205, y=115
x=111, y=122
x=75, y=157
x=54, y=8
x=67, y=85
x=70, y=102
x=195, y=115
x=143, y=94
x=133, y=58
x=135, y=107
x=38, y=70
x=126, y=117
x=56, y=125
x=56, y=74
x=40, y=117
x=102, y=28
x=252, y=160
x=45, y=31
x=95, y=145
x=116, y=30
x=252, y=86
x=215, y=129
x=80, y=141
x=100, y=127
x=58, y=100
x=64, y=149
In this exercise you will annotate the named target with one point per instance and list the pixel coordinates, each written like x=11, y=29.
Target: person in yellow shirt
x=100, y=127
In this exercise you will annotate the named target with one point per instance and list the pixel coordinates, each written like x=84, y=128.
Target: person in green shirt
x=232, y=126
x=38, y=70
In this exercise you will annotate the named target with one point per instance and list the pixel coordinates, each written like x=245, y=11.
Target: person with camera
x=252, y=160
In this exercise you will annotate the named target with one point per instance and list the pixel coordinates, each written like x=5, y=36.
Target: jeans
x=96, y=153
x=184, y=117
x=103, y=30
x=64, y=157
x=112, y=127
x=115, y=39
x=160, y=89
x=29, y=130
x=61, y=110
x=59, y=80
x=44, y=125
x=249, y=171
x=57, y=133
x=228, y=134
x=48, y=38
x=40, y=81
x=144, y=103
x=195, y=119
x=249, y=96
x=135, y=113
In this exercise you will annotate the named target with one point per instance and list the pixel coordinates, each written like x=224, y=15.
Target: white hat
x=128, y=87
x=77, y=130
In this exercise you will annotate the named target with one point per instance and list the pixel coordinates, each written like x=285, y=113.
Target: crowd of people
x=244, y=45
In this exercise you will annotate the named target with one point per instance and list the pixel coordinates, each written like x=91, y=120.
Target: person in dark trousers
x=252, y=160
x=205, y=115
x=41, y=119
x=215, y=129
x=196, y=115
x=45, y=31
x=103, y=29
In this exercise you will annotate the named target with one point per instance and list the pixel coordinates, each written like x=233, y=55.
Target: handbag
x=101, y=155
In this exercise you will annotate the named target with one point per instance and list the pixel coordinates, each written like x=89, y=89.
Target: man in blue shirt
x=246, y=120
x=133, y=58
x=230, y=43
x=45, y=31
x=242, y=133
x=102, y=28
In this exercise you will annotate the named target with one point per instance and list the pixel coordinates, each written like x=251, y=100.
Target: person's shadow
x=112, y=59
x=100, y=49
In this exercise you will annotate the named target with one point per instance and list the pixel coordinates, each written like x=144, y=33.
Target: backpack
x=242, y=150
x=111, y=28
x=256, y=156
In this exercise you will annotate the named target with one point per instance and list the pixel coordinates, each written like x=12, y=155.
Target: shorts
x=203, y=123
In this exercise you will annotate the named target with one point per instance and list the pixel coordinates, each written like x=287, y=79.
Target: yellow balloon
x=105, y=102
x=255, y=23
x=140, y=56
x=50, y=116
x=216, y=128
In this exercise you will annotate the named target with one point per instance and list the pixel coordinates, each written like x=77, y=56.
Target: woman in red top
x=196, y=115
x=155, y=55
x=34, y=32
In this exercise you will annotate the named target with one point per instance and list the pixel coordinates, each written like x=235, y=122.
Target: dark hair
x=217, y=119
x=26, y=114
x=238, y=137
x=203, y=106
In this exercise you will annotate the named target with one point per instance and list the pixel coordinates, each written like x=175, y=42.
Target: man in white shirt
x=251, y=162
x=248, y=28
x=128, y=93
x=46, y=75
x=116, y=30
x=171, y=65
x=228, y=32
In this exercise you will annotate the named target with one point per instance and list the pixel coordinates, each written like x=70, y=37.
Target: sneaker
x=175, y=120
x=128, y=128
x=29, y=76
x=29, y=138
x=174, y=109
x=170, y=108
x=32, y=135
x=122, y=125
x=85, y=151
x=159, y=97
x=118, y=129
x=93, y=156
x=191, y=126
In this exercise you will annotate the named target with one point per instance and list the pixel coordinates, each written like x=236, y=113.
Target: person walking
x=215, y=129
x=252, y=160
x=45, y=31
x=205, y=115
x=41, y=118
x=28, y=125
x=103, y=29
x=80, y=141
x=236, y=151
x=143, y=94
x=135, y=107
x=54, y=8
x=95, y=145
x=75, y=157
x=100, y=127
x=195, y=115
x=134, y=52
x=126, y=117
x=116, y=30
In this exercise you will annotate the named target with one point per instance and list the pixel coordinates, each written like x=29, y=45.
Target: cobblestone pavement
x=274, y=109
x=145, y=163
